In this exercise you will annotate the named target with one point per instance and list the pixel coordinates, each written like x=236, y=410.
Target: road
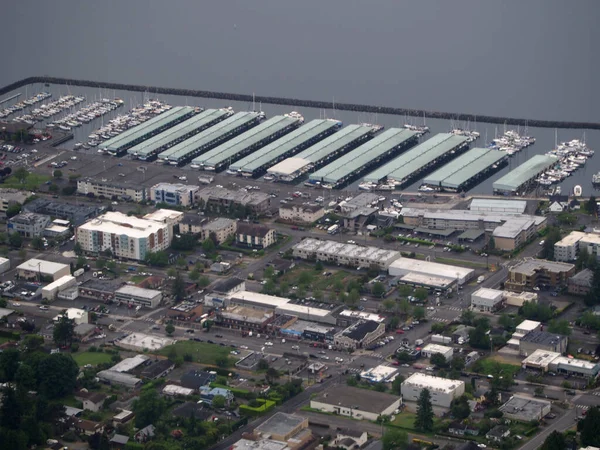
x=561, y=424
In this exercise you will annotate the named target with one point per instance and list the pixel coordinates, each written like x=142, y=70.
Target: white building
x=125, y=236
x=149, y=298
x=568, y=248
x=295, y=212
x=355, y=402
x=518, y=298
x=498, y=206
x=174, y=194
x=403, y=266
x=140, y=341
x=78, y=316
x=34, y=268
x=50, y=291
x=442, y=390
x=487, y=300
x=379, y=374
x=4, y=265
x=173, y=390
x=432, y=349
x=168, y=217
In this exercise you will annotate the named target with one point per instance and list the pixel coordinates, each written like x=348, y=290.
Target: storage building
x=355, y=402
x=442, y=390
x=50, y=291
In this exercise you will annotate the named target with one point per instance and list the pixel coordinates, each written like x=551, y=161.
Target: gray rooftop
x=356, y=398
x=353, y=161
x=146, y=128
x=335, y=142
x=583, y=278
x=280, y=424
x=218, y=224
x=498, y=205
x=402, y=167
x=525, y=408
x=171, y=136
x=530, y=266
x=543, y=338
x=211, y=136
x=231, y=150
x=523, y=173
x=462, y=169
x=285, y=145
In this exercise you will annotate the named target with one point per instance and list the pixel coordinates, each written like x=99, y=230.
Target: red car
x=399, y=331
x=395, y=363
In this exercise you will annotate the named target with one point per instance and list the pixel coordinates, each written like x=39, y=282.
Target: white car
x=73, y=158
x=244, y=347
x=269, y=344
x=16, y=305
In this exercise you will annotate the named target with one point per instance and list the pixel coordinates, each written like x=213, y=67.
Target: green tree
x=591, y=206
x=552, y=237
x=460, y=408
x=64, y=331
x=169, y=329
x=194, y=274
x=222, y=361
x=9, y=364
x=554, y=441
x=78, y=249
x=318, y=266
x=378, y=289
x=21, y=174
x=388, y=304
x=57, y=173
x=438, y=360
x=269, y=287
x=178, y=288
x=560, y=327
x=467, y=317
x=269, y=272
x=271, y=375
x=419, y=312
x=15, y=240
x=589, y=428
x=404, y=307
x=157, y=259
x=13, y=210
x=457, y=363
x=208, y=246
x=32, y=343
x=404, y=290
x=394, y=439
x=352, y=298
x=148, y=408
x=507, y=322
x=37, y=243
x=203, y=281
x=218, y=402
x=306, y=278
x=421, y=294
x=57, y=375
x=397, y=385
x=424, y=418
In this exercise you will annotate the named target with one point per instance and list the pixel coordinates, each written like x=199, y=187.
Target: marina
x=411, y=164
x=469, y=168
x=48, y=110
x=86, y=114
x=150, y=148
x=571, y=156
x=370, y=154
x=37, y=98
x=518, y=180
x=291, y=144
x=324, y=151
x=512, y=142
x=118, y=145
x=222, y=156
x=210, y=138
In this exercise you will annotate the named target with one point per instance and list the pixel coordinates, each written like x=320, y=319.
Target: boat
x=596, y=178
x=366, y=186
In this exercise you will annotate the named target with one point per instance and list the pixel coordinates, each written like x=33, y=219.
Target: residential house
x=94, y=402
x=118, y=442
x=301, y=213
x=86, y=427
x=350, y=438
x=461, y=429
x=581, y=283
x=207, y=394
x=145, y=434
x=498, y=433
x=195, y=379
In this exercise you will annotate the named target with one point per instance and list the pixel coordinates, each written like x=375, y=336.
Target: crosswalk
x=597, y=393
x=583, y=407
x=377, y=355
x=455, y=308
x=354, y=370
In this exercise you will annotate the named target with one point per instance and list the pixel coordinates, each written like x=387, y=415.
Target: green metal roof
x=334, y=143
x=416, y=158
x=232, y=148
x=197, y=122
x=462, y=169
x=284, y=145
x=214, y=133
x=349, y=163
x=525, y=172
x=146, y=128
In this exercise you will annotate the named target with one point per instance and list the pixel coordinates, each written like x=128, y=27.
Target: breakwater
x=463, y=117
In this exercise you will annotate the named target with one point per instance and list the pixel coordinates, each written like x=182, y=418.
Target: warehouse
x=122, y=379
x=149, y=298
x=346, y=254
x=289, y=145
x=542, y=340
x=487, y=300
x=498, y=206
x=355, y=402
x=442, y=390
x=371, y=153
x=521, y=178
x=50, y=291
x=118, y=145
x=403, y=266
x=222, y=156
x=322, y=152
x=525, y=409
x=40, y=269
x=436, y=349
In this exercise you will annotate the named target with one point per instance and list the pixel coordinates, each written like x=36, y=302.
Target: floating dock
x=419, y=159
x=308, y=134
x=352, y=164
x=196, y=124
x=469, y=168
x=519, y=179
x=118, y=145
x=222, y=156
x=12, y=97
x=324, y=151
x=210, y=138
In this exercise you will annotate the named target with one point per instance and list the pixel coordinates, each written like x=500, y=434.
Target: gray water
x=531, y=59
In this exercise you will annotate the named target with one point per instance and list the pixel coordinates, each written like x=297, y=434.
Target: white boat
x=194, y=166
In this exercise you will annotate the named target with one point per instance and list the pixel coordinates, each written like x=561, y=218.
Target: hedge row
x=266, y=406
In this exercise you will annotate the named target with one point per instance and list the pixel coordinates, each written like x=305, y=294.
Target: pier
x=10, y=98
x=465, y=117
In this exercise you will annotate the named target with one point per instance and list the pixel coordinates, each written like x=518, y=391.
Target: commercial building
x=368, y=155
x=244, y=318
x=379, y=374
x=498, y=206
x=281, y=427
x=487, y=300
x=323, y=152
x=101, y=290
x=118, y=145
x=125, y=236
x=122, y=379
x=221, y=228
x=581, y=283
x=301, y=213
x=50, y=291
x=56, y=232
x=112, y=189
x=174, y=194
x=78, y=316
x=129, y=364
x=345, y=254
x=355, y=402
x=4, y=265
x=224, y=289
x=535, y=272
x=468, y=169
x=542, y=340
x=522, y=177
x=186, y=311
x=222, y=156
x=548, y=361
x=9, y=197
x=218, y=199
x=360, y=335
x=159, y=369
x=40, y=269
x=525, y=409
x=74, y=214
x=442, y=390
x=27, y=224
x=518, y=298
x=404, y=266
x=149, y=298
x=140, y=341
x=254, y=236
x=292, y=143
x=436, y=349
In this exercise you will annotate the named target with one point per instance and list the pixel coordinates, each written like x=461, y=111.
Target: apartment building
x=174, y=194
x=220, y=199
x=535, y=272
x=301, y=213
x=221, y=228
x=568, y=248
x=110, y=189
x=28, y=224
x=254, y=236
x=9, y=197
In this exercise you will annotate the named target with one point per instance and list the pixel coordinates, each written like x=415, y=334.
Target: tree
x=388, y=304
x=53, y=188
x=218, y=402
x=378, y=289
x=419, y=312
x=78, y=249
x=306, y=278
x=148, y=408
x=559, y=327
x=507, y=322
x=404, y=307
x=64, y=331
x=32, y=342
x=394, y=439
x=318, y=266
x=421, y=294
x=37, y=243
x=424, y=418
x=81, y=262
x=404, y=290
x=9, y=364
x=178, y=288
x=21, y=174
x=467, y=317
x=269, y=287
x=555, y=441
x=269, y=272
x=353, y=298
x=203, y=281
x=590, y=428
x=552, y=237
x=271, y=375
x=208, y=246
x=69, y=190
x=438, y=360
x=221, y=361
x=457, y=363
x=397, y=385
x=15, y=240
x=158, y=259
x=169, y=329
x=13, y=210
x=536, y=311
x=183, y=242
x=57, y=173
x=460, y=408
x=263, y=364
x=57, y=375
x=194, y=274
x=591, y=206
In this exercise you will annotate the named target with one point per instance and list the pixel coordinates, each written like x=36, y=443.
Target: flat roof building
x=436, y=349
x=442, y=390
x=361, y=334
x=498, y=206
x=301, y=213
x=403, y=266
x=149, y=298
x=531, y=273
x=487, y=300
x=542, y=340
x=355, y=402
x=518, y=298
x=174, y=194
x=218, y=199
x=129, y=364
x=72, y=213
x=35, y=268
x=525, y=409
x=379, y=374
x=50, y=291
x=281, y=426
x=128, y=190
x=518, y=179
x=123, y=379
x=140, y=341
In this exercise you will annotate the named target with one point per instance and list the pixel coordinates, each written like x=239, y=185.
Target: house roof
x=356, y=398
x=192, y=408
x=119, y=439
x=227, y=284
x=497, y=431
x=157, y=368
x=252, y=229
x=96, y=397
x=194, y=379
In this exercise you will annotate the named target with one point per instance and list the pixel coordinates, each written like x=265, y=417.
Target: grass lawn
x=4, y=339
x=406, y=420
x=460, y=262
x=138, y=278
x=201, y=352
x=491, y=365
x=32, y=182
x=93, y=358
